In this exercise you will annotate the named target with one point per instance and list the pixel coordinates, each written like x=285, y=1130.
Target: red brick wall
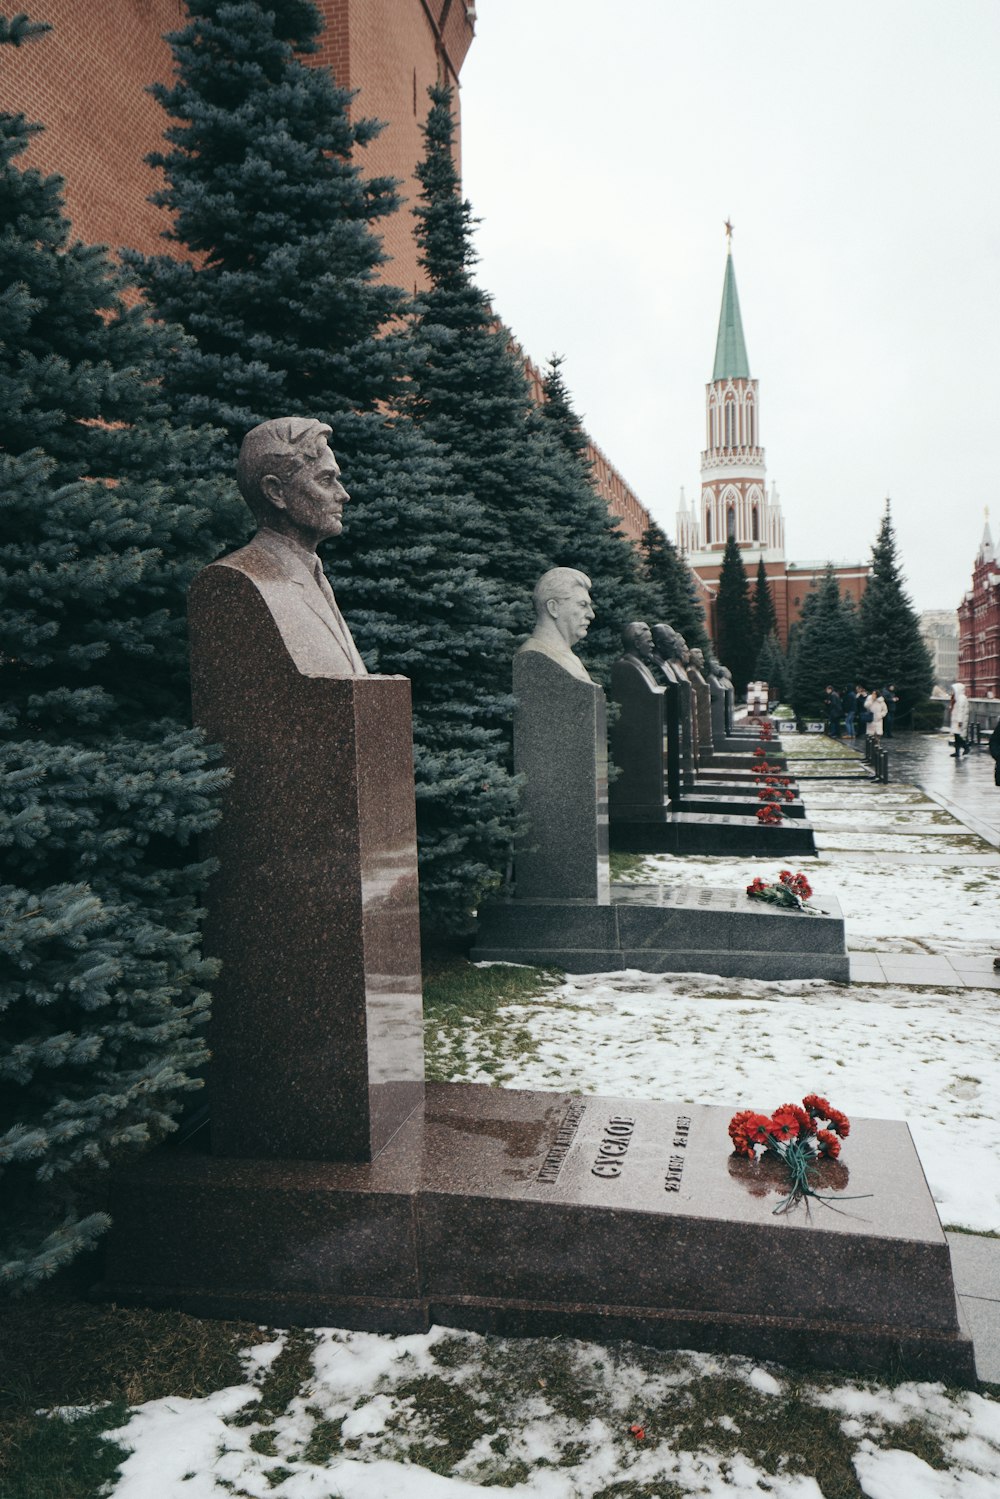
x=87, y=84
x=396, y=53
x=100, y=123
x=789, y=588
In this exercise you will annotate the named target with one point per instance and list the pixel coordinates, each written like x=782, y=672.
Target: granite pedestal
x=560, y=747
x=316, y=1031
x=543, y=1213
x=667, y=929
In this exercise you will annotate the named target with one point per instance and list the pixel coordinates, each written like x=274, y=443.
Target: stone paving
x=965, y=790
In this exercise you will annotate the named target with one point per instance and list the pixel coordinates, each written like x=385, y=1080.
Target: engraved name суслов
x=611, y=1151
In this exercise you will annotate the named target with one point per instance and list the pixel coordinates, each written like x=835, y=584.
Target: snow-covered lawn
x=452, y=1415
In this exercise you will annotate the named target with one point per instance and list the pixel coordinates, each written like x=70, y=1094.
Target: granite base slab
x=730, y=760
x=711, y=833
x=733, y=804
x=728, y=783
x=667, y=929
x=543, y=1213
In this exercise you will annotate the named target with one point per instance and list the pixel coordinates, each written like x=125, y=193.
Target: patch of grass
x=59, y=1457
x=456, y=984
x=623, y=865
x=785, y=1433
x=629, y=1489
x=456, y=992
x=442, y=1422
x=977, y=1233
x=325, y=1440
x=56, y=1349
x=287, y=1375
x=913, y=1437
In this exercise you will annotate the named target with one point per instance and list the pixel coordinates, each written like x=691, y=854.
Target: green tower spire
x=731, y=361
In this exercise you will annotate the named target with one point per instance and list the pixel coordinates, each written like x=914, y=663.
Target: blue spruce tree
x=287, y=315
x=105, y=514
x=525, y=465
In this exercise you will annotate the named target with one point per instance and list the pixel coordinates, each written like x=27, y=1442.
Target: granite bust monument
x=560, y=747
x=290, y=480
x=316, y=1019
x=563, y=612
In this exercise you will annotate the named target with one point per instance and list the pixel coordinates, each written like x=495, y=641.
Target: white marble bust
x=563, y=612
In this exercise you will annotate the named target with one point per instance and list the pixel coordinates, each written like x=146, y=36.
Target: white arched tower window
x=730, y=423
x=708, y=526
x=751, y=422
x=755, y=524
x=730, y=520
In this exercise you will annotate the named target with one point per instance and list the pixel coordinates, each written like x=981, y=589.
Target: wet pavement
x=964, y=787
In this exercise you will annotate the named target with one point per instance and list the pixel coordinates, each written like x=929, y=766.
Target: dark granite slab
x=521, y=1212
x=667, y=929
x=731, y=803
x=708, y=833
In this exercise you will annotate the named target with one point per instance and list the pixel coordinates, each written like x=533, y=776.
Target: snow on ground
x=886, y=1052
x=452, y=1415
x=449, y=1415
x=946, y=898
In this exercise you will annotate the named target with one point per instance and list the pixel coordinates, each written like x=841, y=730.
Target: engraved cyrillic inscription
x=611, y=1152
x=559, y=1148
x=675, y=1163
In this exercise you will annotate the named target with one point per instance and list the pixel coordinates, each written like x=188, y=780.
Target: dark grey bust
x=290, y=479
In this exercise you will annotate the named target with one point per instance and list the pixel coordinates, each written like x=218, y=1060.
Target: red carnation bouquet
x=769, y=814
x=791, y=890
x=766, y=730
x=799, y=1137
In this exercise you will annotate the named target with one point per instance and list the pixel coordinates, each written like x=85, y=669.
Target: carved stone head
x=697, y=658
x=638, y=640
x=666, y=642
x=562, y=604
x=290, y=479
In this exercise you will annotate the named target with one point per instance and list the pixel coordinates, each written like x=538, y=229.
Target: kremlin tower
x=734, y=497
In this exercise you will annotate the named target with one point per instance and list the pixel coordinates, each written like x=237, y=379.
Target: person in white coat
x=960, y=718
x=875, y=705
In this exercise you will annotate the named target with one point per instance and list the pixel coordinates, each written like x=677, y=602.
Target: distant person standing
x=835, y=708
x=875, y=707
x=994, y=744
x=850, y=701
x=889, y=695
x=959, y=723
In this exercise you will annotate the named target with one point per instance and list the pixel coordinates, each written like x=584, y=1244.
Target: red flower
x=784, y=1125
x=839, y=1122
x=639, y=1432
x=758, y=1127
x=816, y=1105
x=829, y=1145
x=792, y=1121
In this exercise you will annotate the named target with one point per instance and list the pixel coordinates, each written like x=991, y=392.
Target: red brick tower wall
x=394, y=51
x=85, y=82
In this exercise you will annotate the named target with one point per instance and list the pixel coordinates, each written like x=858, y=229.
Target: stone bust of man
x=637, y=639
x=667, y=644
x=290, y=480
x=563, y=612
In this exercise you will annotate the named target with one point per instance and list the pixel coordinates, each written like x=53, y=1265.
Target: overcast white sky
x=855, y=148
